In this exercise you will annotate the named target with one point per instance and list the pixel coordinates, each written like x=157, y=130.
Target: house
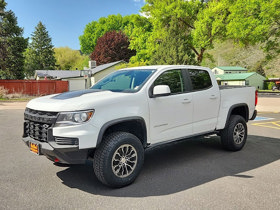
x=251, y=79
x=56, y=74
x=101, y=71
x=79, y=79
x=75, y=78
x=229, y=70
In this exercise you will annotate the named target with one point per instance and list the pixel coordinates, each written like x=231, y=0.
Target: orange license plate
x=34, y=148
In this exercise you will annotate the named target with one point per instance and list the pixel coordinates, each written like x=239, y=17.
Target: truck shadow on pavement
x=180, y=166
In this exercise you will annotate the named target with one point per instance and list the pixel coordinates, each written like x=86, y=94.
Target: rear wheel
x=119, y=159
x=234, y=135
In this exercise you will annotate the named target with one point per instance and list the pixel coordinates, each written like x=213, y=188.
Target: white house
x=229, y=70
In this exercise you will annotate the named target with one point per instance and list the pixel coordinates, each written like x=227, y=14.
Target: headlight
x=73, y=118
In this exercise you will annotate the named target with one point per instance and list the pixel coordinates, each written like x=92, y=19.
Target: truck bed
x=235, y=95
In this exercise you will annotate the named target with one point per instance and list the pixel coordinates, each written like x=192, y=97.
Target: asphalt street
x=271, y=94
x=192, y=174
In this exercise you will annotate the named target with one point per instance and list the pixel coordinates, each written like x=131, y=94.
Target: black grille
x=66, y=141
x=37, y=123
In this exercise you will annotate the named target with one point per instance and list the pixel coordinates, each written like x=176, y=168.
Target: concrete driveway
x=193, y=174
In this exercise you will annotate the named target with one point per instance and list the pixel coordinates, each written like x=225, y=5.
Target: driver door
x=171, y=116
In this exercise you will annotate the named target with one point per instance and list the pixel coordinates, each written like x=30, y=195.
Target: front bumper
x=68, y=144
x=69, y=154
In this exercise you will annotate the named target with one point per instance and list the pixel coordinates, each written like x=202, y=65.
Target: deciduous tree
x=136, y=27
x=184, y=13
x=197, y=25
x=113, y=46
x=139, y=30
x=96, y=29
x=68, y=59
x=173, y=49
x=256, y=21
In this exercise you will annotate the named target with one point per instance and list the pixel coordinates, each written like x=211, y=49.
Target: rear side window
x=172, y=78
x=200, y=79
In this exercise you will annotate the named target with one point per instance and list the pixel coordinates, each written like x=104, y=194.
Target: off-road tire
x=111, y=172
x=234, y=135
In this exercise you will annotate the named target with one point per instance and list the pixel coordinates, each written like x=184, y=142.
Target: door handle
x=213, y=97
x=186, y=101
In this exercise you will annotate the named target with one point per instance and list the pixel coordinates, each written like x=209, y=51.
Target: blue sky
x=65, y=20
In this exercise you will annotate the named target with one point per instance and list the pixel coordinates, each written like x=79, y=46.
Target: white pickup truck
x=130, y=110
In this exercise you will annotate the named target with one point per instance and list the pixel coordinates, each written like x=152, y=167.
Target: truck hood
x=74, y=100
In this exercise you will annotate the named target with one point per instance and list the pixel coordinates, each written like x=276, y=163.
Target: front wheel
x=119, y=159
x=234, y=135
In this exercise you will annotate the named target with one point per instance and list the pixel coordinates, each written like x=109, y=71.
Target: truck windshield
x=124, y=80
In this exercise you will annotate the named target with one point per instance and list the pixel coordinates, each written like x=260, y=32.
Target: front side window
x=172, y=78
x=124, y=81
x=200, y=79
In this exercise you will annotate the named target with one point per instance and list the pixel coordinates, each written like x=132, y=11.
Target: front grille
x=37, y=123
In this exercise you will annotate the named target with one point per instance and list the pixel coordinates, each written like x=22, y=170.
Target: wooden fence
x=35, y=87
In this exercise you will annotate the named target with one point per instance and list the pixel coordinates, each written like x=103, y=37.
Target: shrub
x=270, y=85
x=3, y=92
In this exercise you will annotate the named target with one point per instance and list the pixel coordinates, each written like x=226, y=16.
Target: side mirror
x=161, y=90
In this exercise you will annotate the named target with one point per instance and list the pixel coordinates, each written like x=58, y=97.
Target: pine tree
x=260, y=70
x=40, y=52
x=12, y=45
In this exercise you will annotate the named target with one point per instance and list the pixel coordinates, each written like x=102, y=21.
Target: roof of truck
x=169, y=66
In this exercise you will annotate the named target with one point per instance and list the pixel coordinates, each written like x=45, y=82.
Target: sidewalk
x=12, y=105
x=268, y=104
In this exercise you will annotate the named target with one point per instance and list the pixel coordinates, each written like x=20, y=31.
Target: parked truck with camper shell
x=133, y=109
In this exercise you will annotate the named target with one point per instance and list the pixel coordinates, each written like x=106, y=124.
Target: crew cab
x=132, y=109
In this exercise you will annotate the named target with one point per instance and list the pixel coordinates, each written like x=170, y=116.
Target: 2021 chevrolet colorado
x=132, y=109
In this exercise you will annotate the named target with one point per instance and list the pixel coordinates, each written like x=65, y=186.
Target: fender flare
x=237, y=106
x=122, y=120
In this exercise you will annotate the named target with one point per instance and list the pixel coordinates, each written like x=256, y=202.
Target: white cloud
x=139, y=1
